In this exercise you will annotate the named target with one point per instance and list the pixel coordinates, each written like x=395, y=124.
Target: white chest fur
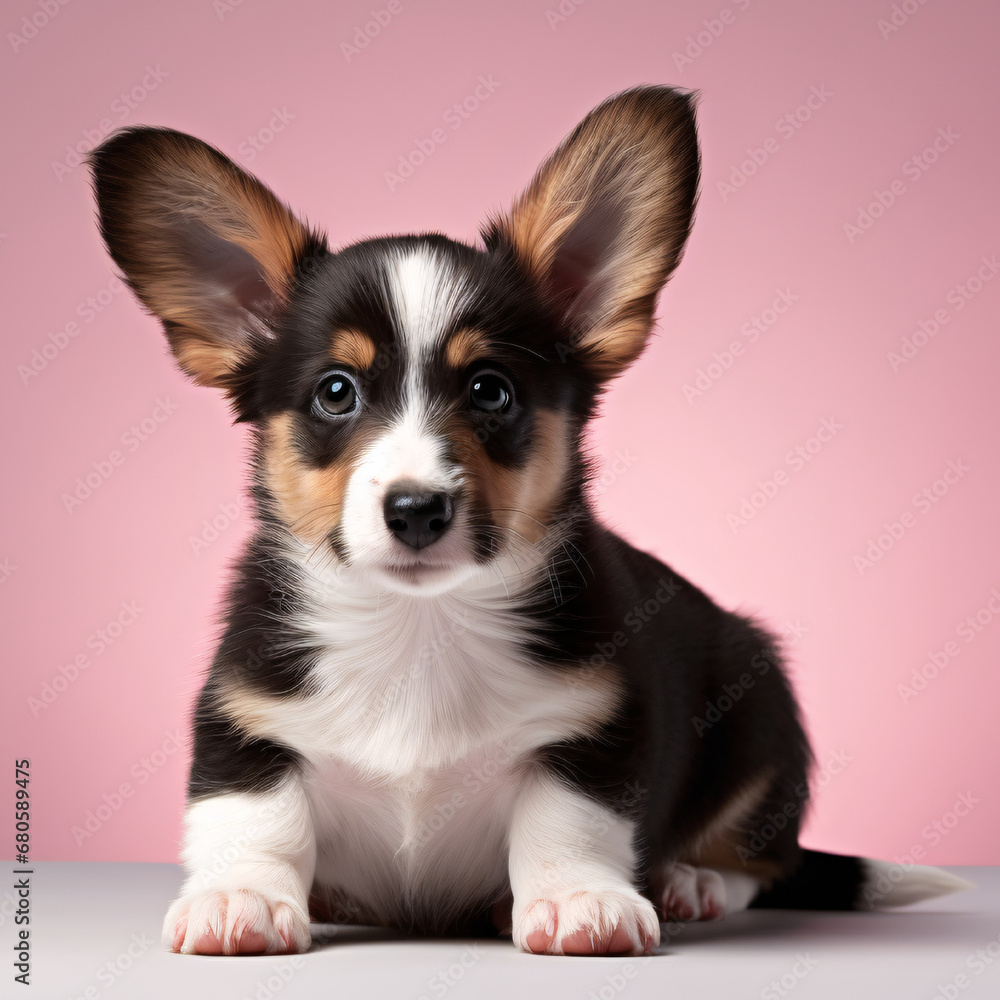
x=417, y=730
x=432, y=843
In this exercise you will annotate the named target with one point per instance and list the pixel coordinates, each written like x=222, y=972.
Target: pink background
x=676, y=468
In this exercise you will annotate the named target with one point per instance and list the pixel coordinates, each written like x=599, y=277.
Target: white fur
x=738, y=891
x=572, y=867
x=416, y=734
x=407, y=683
x=888, y=885
x=432, y=842
x=680, y=898
x=425, y=295
x=690, y=893
x=249, y=860
x=408, y=451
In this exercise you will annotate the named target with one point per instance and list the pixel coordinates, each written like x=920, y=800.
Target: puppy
x=446, y=697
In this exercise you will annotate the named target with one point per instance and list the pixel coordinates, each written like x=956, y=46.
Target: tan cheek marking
x=352, y=348
x=479, y=471
x=465, y=347
x=522, y=500
x=535, y=489
x=310, y=501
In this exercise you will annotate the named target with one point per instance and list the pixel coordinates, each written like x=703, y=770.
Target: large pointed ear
x=603, y=224
x=205, y=246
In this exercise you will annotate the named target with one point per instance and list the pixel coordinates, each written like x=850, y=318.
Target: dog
x=447, y=699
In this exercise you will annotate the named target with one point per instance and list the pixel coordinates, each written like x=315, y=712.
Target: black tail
x=838, y=882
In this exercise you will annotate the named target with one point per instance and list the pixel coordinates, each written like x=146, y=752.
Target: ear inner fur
x=604, y=221
x=204, y=245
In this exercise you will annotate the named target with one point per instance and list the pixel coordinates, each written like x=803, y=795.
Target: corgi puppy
x=446, y=698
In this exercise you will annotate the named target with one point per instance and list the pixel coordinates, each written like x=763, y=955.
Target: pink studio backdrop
x=774, y=443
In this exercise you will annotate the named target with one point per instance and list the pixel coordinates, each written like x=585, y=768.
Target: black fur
x=820, y=882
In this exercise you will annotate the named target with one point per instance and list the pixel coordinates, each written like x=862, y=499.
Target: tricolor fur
x=446, y=697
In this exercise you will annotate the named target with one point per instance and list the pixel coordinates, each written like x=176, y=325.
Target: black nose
x=417, y=519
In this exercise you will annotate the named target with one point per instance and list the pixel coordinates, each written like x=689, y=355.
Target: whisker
x=518, y=347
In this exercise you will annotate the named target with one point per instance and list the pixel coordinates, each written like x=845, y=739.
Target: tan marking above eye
x=349, y=347
x=466, y=346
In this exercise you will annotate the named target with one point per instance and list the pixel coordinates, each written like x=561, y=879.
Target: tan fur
x=466, y=346
x=310, y=500
x=519, y=500
x=534, y=491
x=352, y=348
x=208, y=362
x=721, y=855
x=718, y=843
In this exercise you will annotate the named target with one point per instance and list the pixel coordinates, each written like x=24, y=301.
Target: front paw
x=235, y=922
x=605, y=922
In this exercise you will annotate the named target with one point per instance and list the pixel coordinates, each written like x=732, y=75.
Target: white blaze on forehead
x=409, y=449
x=426, y=294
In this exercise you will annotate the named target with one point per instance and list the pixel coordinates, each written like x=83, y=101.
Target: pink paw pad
x=239, y=922
x=588, y=923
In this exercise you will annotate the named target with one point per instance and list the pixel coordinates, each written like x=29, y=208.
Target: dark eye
x=337, y=395
x=490, y=392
